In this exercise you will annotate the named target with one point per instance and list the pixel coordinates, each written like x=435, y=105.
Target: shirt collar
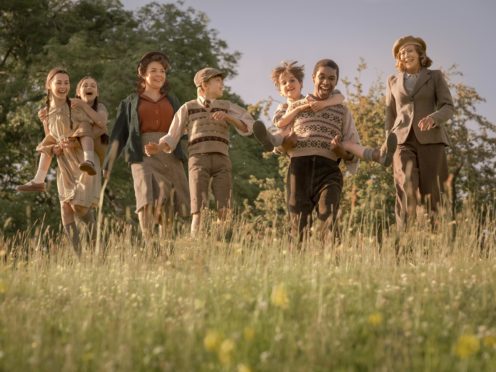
x=203, y=101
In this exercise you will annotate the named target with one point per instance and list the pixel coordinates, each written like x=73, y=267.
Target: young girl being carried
x=87, y=100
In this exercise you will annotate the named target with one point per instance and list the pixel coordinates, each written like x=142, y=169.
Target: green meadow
x=250, y=301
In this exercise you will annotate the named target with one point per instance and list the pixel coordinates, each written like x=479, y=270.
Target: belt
x=208, y=138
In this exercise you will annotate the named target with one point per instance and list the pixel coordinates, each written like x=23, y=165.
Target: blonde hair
x=290, y=67
x=424, y=60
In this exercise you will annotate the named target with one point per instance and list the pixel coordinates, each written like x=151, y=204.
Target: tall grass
x=241, y=299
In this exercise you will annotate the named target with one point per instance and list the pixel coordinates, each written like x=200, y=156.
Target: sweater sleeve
x=242, y=115
x=177, y=128
x=350, y=134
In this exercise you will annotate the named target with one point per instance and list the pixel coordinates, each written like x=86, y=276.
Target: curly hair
x=289, y=67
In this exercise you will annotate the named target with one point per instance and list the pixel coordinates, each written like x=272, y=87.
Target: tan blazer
x=430, y=97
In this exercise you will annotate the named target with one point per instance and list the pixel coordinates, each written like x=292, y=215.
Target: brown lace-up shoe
x=31, y=187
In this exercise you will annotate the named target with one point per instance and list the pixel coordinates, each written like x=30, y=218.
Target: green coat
x=126, y=133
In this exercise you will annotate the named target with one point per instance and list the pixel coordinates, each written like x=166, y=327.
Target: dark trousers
x=420, y=174
x=313, y=182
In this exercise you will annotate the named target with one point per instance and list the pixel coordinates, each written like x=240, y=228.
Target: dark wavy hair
x=424, y=60
x=290, y=67
x=143, y=65
x=51, y=74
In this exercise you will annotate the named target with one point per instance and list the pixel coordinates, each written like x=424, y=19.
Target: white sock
x=88, y=155
x=43, y=167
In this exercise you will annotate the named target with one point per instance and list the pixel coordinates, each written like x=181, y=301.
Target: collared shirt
x=410, y=80
x=154, y=116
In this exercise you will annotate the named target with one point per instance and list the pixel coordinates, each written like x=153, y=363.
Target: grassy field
x=252, y=304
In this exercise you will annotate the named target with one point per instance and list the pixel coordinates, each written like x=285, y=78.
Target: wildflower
x=249, y=333
x=243, y=368
x=225, y=350
x=279, y=296
x=375, y=319
x=466, y=345
x=212, y=340
x=199, y=304
x=489, y=341
x=3, y=287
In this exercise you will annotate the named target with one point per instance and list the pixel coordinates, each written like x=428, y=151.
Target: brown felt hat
x=406, y=40
x=205, y=74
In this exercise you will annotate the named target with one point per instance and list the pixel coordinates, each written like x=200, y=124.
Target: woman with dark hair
x=144, y=117
x=418, y=103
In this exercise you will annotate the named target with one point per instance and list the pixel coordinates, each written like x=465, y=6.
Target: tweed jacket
x=430, y=97
x=126, y=133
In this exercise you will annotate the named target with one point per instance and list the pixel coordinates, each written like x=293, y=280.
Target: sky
x=267, y=32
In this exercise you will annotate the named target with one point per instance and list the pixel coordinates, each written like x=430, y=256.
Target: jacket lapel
x=424, y=76
x=400, y=77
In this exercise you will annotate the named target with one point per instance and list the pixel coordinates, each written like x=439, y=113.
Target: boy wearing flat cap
x=418, y=103
x=206, y=120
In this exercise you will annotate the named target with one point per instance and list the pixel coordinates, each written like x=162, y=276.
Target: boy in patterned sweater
x=206, y=120
x=314, y=178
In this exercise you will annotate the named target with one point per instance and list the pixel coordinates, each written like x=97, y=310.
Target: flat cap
x=205, y=74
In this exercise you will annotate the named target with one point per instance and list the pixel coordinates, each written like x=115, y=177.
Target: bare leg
x=43, y=166
x=71, y=230
x=195, y=224
x=88, y=165
x=145, y=216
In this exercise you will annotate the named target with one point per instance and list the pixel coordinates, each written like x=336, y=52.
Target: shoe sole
x=30, y=188
x=391, y=144
x=260, y=133
x=86, y=168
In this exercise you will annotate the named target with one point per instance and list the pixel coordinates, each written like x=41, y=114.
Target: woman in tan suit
x=418, y=103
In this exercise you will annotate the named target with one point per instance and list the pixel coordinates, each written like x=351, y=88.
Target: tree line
x=101, y=38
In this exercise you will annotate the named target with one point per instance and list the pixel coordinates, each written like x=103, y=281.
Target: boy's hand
x=153, y=148
x=220, y=115
x=337, y=147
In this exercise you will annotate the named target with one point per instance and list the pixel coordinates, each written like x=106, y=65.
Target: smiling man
x=314, y=179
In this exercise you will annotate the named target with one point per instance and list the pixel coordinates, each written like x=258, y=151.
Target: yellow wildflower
x=212, y=340
x=279, y=296
x=249, y=333
x=243, y=368
x=225, y=350
x=489, y=341
x=3, y=287
x=466, y=345
x=375, y=319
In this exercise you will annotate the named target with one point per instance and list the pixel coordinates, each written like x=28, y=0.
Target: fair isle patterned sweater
x=315, y=130
x=205, y=135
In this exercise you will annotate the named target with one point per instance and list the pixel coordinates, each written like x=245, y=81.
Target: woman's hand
x=57, y=150
x=426, y=123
